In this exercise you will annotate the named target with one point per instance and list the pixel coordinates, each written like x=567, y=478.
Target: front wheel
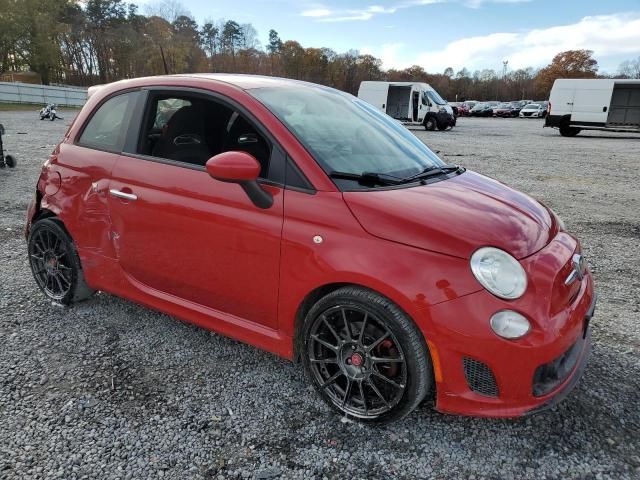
x=430, y=124
x=55, y=263
x=365, y=357
x=567, y=131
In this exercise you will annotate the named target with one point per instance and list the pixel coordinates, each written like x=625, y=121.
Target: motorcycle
x=5, y=160
x=49, y=112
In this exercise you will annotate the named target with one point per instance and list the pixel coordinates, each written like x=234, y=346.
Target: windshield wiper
x=368, y=177
x=433, y=172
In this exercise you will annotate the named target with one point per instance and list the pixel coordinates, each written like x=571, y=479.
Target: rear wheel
x=430, y=124
x=55, y=263
x=567, y=131
x=365, y=357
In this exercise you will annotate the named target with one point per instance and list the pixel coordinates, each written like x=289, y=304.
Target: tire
x=442, y=126
x=371, y=390
x=41, y=117
x=10, y=160
x=55, y=263
x=430, y=124
x=567, y=131
x=52, y=117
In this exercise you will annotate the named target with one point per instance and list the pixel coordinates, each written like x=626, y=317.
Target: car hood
x=456, y=216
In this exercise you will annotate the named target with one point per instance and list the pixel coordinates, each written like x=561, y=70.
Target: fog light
x=510, y=324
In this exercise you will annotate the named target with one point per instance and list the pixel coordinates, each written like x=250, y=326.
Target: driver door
x=180, y=232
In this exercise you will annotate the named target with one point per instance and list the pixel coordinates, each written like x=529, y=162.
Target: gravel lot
x=108, y=389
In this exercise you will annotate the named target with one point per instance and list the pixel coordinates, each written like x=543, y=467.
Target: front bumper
x=574, y=377
x=461, y=334
x=445, y=118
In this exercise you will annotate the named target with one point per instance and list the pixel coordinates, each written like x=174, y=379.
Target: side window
x=165, y=110
x=194, y=129
x=106, y=127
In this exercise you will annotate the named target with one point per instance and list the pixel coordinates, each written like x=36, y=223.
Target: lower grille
x=480, y=377
x=550, y=375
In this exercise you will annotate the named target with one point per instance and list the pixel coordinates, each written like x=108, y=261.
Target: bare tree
x=630, y=68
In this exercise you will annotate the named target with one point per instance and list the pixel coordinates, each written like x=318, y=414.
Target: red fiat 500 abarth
x=301, y=220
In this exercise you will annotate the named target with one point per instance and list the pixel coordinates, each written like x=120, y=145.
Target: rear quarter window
x=107, y=126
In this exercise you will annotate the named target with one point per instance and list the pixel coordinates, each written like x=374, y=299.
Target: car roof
x=240, y=81
x=246, y=82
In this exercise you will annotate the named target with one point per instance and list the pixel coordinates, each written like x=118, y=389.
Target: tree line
x=99, y=41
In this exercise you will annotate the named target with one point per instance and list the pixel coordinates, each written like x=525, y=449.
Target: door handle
x=123, y=195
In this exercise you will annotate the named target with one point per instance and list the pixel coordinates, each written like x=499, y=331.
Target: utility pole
x=505, y=66
x=164, y=62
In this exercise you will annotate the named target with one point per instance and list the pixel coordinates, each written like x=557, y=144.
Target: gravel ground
x=108, y=389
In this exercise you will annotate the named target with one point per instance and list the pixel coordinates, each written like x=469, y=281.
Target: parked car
x=533, y=110
x=463, y=109
x=460, y=109
x=306, y=222
x=482, y=110
x=412, y=103
x=505, y=110
x=516, y=106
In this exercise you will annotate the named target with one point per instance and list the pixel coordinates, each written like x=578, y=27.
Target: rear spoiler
x=93, y=90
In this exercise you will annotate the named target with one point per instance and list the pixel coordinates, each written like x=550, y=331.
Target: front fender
x=413, y=278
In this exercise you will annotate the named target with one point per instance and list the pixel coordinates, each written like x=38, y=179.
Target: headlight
x=509, y=324
x=499, y=272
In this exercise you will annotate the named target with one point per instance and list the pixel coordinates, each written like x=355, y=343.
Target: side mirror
x=243, y=169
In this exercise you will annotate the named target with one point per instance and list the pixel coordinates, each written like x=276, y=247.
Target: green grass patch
x=25, y=107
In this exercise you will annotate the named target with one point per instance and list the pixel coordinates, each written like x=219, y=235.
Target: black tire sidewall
x=419, y=368
x=55, y=227
x=430, y=124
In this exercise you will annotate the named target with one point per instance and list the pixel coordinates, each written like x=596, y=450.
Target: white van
x=409, y=102
x=598, y=104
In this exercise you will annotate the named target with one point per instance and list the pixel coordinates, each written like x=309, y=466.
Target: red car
x=301, y=220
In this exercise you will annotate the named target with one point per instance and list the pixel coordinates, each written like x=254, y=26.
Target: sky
x=437, y=34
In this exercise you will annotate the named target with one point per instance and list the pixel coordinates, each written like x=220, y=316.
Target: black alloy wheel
x=55, y=263
x=364, y=362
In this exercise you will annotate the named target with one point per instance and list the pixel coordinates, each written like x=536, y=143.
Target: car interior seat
x=184, y=138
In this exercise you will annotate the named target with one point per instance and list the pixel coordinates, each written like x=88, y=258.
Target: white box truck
x=594, y=104
x=412, y=103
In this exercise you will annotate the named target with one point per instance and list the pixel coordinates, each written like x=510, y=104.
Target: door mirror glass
x=234, y=167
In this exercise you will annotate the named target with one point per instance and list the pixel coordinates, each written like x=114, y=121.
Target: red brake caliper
x=388, y=349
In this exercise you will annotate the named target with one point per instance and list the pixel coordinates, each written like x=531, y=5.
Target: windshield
x=435, y=98
x=345, y=134
x=532, y=106
x=505, y=105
